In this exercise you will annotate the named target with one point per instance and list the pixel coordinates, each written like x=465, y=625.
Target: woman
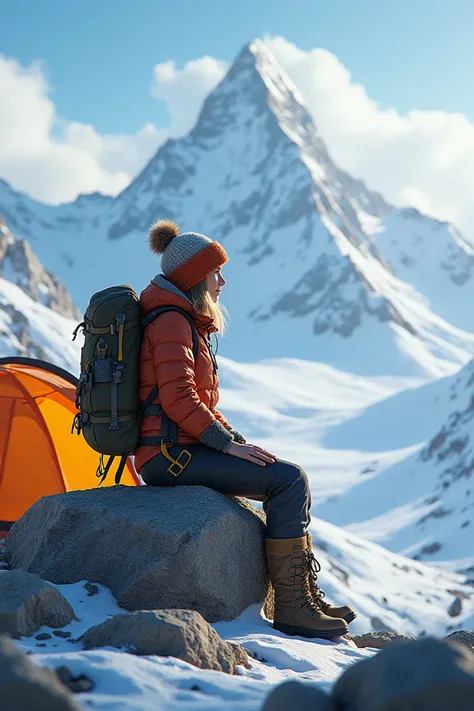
x=186, y=440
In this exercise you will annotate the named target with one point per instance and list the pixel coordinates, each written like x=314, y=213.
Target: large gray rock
x=27, y=603
x=295, y=696
x=24, y=686
x=426, y=675
x=380, y=640
x=184, y=634
x=154, y=547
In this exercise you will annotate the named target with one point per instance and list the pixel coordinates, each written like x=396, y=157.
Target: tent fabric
x=38, y=454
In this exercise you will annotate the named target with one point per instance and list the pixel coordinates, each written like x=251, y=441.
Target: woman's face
x=215, y=282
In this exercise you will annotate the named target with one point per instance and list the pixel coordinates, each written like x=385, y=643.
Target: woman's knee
x=290, y=474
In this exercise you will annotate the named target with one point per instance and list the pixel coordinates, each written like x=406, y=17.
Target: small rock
x=195, y=687
x=77, y=684
x=184, y=634
x=27, y=603
x=297, y=696
x=465, y=637
x=455, y=608
x=42, y=644
x=380, y=640
x=425, y=675
x=43, y=636
x=91, y=589
x=25, y=686
x=62, y=633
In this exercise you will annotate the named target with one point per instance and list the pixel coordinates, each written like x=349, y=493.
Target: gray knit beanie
x=187, y=258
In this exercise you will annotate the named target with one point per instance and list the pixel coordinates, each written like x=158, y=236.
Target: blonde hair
x=203, y=304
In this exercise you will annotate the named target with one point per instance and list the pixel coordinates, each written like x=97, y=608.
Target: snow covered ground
x=387, y=590
x=124, y=682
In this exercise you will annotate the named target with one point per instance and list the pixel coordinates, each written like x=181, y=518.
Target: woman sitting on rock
x=185, y=440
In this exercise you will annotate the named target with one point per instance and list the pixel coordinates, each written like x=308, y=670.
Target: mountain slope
x=307, y=277
x=37, y=315
x=430, y=255
x=422, y=505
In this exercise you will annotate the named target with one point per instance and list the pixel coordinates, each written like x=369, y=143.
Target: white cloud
x=54, y=160
x=422, y=158
x=184, y=90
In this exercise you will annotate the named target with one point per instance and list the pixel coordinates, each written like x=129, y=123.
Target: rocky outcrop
x=21, y=266
x=154, y=547
x=380, y=640
x=184, y=634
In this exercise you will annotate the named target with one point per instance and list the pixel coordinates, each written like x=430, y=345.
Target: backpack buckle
x=117, y=373
x=177, y=467
x=114, y=423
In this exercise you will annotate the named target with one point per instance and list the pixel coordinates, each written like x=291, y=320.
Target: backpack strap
x=150, y=317
x=102, y=470
x=169, y=429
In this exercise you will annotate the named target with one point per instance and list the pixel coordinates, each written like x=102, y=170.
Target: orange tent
x=38, y=454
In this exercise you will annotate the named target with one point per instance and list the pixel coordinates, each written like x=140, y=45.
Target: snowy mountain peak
x=257, y=58
x=257, y=85
x=312, y=244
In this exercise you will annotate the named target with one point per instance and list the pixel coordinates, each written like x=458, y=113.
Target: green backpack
x=109, y=410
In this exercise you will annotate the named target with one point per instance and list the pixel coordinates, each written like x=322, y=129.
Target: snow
x=386, y=589
x=124, y=681
x=49, y=333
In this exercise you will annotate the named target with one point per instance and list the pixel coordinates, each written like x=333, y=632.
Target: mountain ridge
x=303, y=236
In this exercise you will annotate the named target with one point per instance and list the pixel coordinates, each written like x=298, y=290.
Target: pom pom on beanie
x=161, y=234
x=187, y=258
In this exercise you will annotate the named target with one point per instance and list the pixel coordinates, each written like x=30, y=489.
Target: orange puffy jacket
x=188, y=391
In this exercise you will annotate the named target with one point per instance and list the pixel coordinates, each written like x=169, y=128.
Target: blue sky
x=99, y=54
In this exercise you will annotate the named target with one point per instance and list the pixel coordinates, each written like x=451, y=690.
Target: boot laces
x=314, y=567
x=301, y=578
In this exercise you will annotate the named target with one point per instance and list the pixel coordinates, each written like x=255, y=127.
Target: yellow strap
x=175, y=462
x=120, y=342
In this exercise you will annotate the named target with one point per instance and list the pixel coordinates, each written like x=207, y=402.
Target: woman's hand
x=252, y=453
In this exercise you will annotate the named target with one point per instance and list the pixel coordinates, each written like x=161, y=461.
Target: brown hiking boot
x=344, y=612
x=296, y=613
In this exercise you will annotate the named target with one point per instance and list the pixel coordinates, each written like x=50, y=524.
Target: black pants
x=282, y=486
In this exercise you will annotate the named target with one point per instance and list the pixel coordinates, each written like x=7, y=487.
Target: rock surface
x=24, y=686
x=154, y=547
x=27, y=603
x=380, y=640
x=295, y=696
x=465, y=637
x=184, y=634
x=77, y=684
x=426, y=675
